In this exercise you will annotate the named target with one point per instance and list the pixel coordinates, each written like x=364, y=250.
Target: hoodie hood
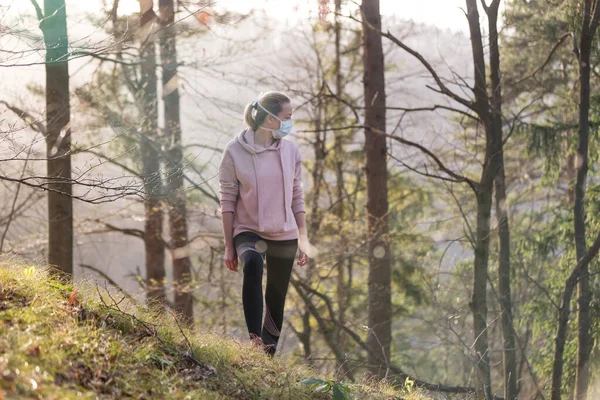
x=246, y=140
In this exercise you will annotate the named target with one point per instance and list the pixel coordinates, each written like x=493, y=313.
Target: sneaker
x=258, y=342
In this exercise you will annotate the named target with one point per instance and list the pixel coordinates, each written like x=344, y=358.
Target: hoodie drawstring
x=260, y=218
x=285, y=197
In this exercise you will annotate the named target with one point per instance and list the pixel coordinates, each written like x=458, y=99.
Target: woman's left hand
x=302, y=258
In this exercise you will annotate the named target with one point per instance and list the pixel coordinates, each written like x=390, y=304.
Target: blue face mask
x=284, y=127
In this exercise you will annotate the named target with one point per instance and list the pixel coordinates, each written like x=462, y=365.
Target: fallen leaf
x=73, y=298
x=34, y=351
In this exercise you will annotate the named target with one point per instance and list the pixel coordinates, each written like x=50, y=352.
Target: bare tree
x=488, y=116
x=508, y=333
x=174, y=162
x=150, y=154
x=343, y=282
x=379, y=296
x=591, y=16
x=53, y=23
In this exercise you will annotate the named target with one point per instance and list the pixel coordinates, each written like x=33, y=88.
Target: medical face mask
x=284, y=127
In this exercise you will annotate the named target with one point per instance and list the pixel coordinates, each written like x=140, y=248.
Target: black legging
x=280, y=256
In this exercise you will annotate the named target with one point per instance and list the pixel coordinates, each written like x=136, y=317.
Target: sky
x=442, y=13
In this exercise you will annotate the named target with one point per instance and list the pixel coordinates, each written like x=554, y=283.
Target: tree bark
x=484, y=203
x=342, y=284
x=509, y=357
x=379, y=295
x=58, y=138
x=563, y=317
x=590, y=18
x=584, y=347
x=149, y=148
x=174, y=163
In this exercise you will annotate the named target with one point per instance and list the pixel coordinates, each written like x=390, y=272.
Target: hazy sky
x=443, y=13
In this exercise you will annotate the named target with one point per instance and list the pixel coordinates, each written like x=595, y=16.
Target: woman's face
x=284, y=114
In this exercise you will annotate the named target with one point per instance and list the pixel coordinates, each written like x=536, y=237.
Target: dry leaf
x=73, y=298
x=34, y=351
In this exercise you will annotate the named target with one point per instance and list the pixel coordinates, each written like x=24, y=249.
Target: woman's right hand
x=230, y=258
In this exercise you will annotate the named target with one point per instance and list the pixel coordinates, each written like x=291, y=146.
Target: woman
x=262, y=208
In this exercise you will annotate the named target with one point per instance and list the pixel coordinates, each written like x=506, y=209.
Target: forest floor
x=64, y=341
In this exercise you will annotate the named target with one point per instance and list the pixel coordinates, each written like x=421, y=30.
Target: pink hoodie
x=262, y=186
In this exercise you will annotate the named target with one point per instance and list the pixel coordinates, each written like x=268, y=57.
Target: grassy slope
x=60, y=342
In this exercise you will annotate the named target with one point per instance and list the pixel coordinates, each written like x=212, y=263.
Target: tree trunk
x=509, y=356
x=484, y=203
x=174, y=164
x=563, y=317
x=58, y=139
x=480, y=275
x=508, y=334
x=590, y=19
x=583, y=317
x=342, y=289
x=149, y=148
x=379, y=296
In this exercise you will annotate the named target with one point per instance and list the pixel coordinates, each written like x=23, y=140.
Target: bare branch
x=457, y=177
x=109, y=280
x=442, y=87
x=433, y=108
x=11, y=216
x=595, y=18
x=565, y=311
x=111, y=160
x=29, y=119
x=425, y=174
x=541, y=67
x=400, y=374
x=126, y=231
x=44, y=183
x=38, y=10
x=103, y=58
x=426, y=151
x=485, y=6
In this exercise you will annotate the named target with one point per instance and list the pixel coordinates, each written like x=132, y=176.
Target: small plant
x=29, y=272
x=340, y=390
x=409, y=384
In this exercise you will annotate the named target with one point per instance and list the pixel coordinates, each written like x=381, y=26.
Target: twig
x=14, y=204
x=38, y=10
x=541, y=67
x=401, y=378
x=442, y=87
x=110, y=280
x=189, y=344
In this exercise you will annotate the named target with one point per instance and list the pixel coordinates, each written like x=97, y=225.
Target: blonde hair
x=254, y=115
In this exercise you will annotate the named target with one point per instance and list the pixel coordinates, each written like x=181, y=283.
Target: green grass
x=58, y=341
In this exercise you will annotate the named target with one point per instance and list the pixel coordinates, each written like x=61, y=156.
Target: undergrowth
x=65, y=341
